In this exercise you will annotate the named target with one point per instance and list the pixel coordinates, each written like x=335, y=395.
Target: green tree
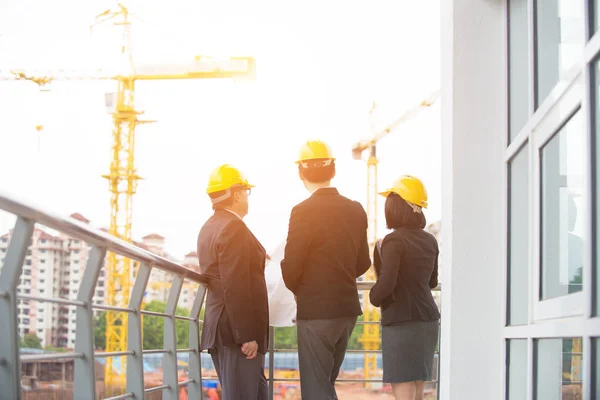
x=31, y=341
x=285, y=338
x=154, y=326
x=100, y=331
x=354, y=343
x=55, y=349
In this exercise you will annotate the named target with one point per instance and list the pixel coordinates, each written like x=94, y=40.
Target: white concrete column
x=474, y=131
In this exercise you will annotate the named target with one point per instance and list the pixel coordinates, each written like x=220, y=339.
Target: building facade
x=54, y=267
x=519, y=130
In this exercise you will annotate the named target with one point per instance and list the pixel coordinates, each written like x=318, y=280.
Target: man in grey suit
x=326, y=250
x=236, y=322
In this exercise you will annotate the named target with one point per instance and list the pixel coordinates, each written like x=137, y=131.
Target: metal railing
x=84, y=385
x=363, y=285
x=84, y=356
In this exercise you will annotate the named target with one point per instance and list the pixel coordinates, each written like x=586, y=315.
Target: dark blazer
x=326, y=250
x=233, y=260
x=407, y=271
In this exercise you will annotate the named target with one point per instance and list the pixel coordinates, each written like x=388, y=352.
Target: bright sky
x=320, y=67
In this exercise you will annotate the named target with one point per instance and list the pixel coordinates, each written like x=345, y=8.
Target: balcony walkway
x=85, y=359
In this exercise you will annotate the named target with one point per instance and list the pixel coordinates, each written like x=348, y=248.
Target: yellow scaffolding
x=122, y=176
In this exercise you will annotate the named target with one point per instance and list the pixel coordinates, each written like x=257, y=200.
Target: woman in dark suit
x=406, y=262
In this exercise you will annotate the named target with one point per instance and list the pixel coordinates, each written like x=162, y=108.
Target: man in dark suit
x=236, y=321
x=326, y=250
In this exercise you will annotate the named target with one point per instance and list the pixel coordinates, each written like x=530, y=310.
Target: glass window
x=596, y=152
x=596, y=366
x=519, y=50
x=595, y=16
x=517, y=369
x=518, y=273
x=558, y=369
x=563, y=213
x=560, y=36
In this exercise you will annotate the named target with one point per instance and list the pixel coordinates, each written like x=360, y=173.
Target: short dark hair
x=399, y=214
x=318, y=174
x=228, y=202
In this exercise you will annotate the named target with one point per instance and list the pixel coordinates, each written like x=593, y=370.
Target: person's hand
x=250, y=349
x=295, y=298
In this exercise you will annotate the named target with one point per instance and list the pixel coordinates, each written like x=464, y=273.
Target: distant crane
x=122, y=176
x=370, y=337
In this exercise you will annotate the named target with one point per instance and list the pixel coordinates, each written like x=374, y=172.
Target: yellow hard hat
x=410, y=189
x=314, y=150
x=224, y=177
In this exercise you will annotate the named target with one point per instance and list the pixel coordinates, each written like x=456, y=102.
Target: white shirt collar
x=326, y=187
x=234, y=213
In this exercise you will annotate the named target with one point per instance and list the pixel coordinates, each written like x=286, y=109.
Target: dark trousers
x=322, y=346
x=241, y=379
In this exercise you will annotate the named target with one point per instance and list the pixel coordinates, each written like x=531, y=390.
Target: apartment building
x=188, y=293
x=54, y=266
x=160, y=282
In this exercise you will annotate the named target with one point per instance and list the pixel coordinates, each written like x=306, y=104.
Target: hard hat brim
x=385, y=194
x=309, y=159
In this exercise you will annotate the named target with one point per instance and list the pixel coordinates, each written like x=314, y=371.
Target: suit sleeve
x=433, y=280
x=364, y=261
x=234, y=267
x=390, y=267
x=296, y=248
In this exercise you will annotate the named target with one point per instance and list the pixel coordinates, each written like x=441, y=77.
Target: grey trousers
x=322, y=346
x=241, y=379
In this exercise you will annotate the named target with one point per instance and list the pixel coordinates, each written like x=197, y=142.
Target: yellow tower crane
x=370, y=338
x=122, y=176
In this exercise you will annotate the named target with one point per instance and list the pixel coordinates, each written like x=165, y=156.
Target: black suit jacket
x=408, y=265
x=326, y=250
x=233, y=260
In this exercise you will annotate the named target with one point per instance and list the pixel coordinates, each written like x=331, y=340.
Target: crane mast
x=122, y=180
x=370, y=338
x=122, y=176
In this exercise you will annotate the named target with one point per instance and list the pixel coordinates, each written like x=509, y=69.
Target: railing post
x=85, y=371
x=195, y=365
x=10, y=364
x=271, y=362
x=135, y=362
x=170, y=342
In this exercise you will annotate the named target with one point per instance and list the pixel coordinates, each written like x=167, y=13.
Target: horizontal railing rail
x=82, y=231
x=84, y=354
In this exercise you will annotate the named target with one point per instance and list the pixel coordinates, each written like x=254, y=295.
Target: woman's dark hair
x=399, y=214
x=318, y=174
